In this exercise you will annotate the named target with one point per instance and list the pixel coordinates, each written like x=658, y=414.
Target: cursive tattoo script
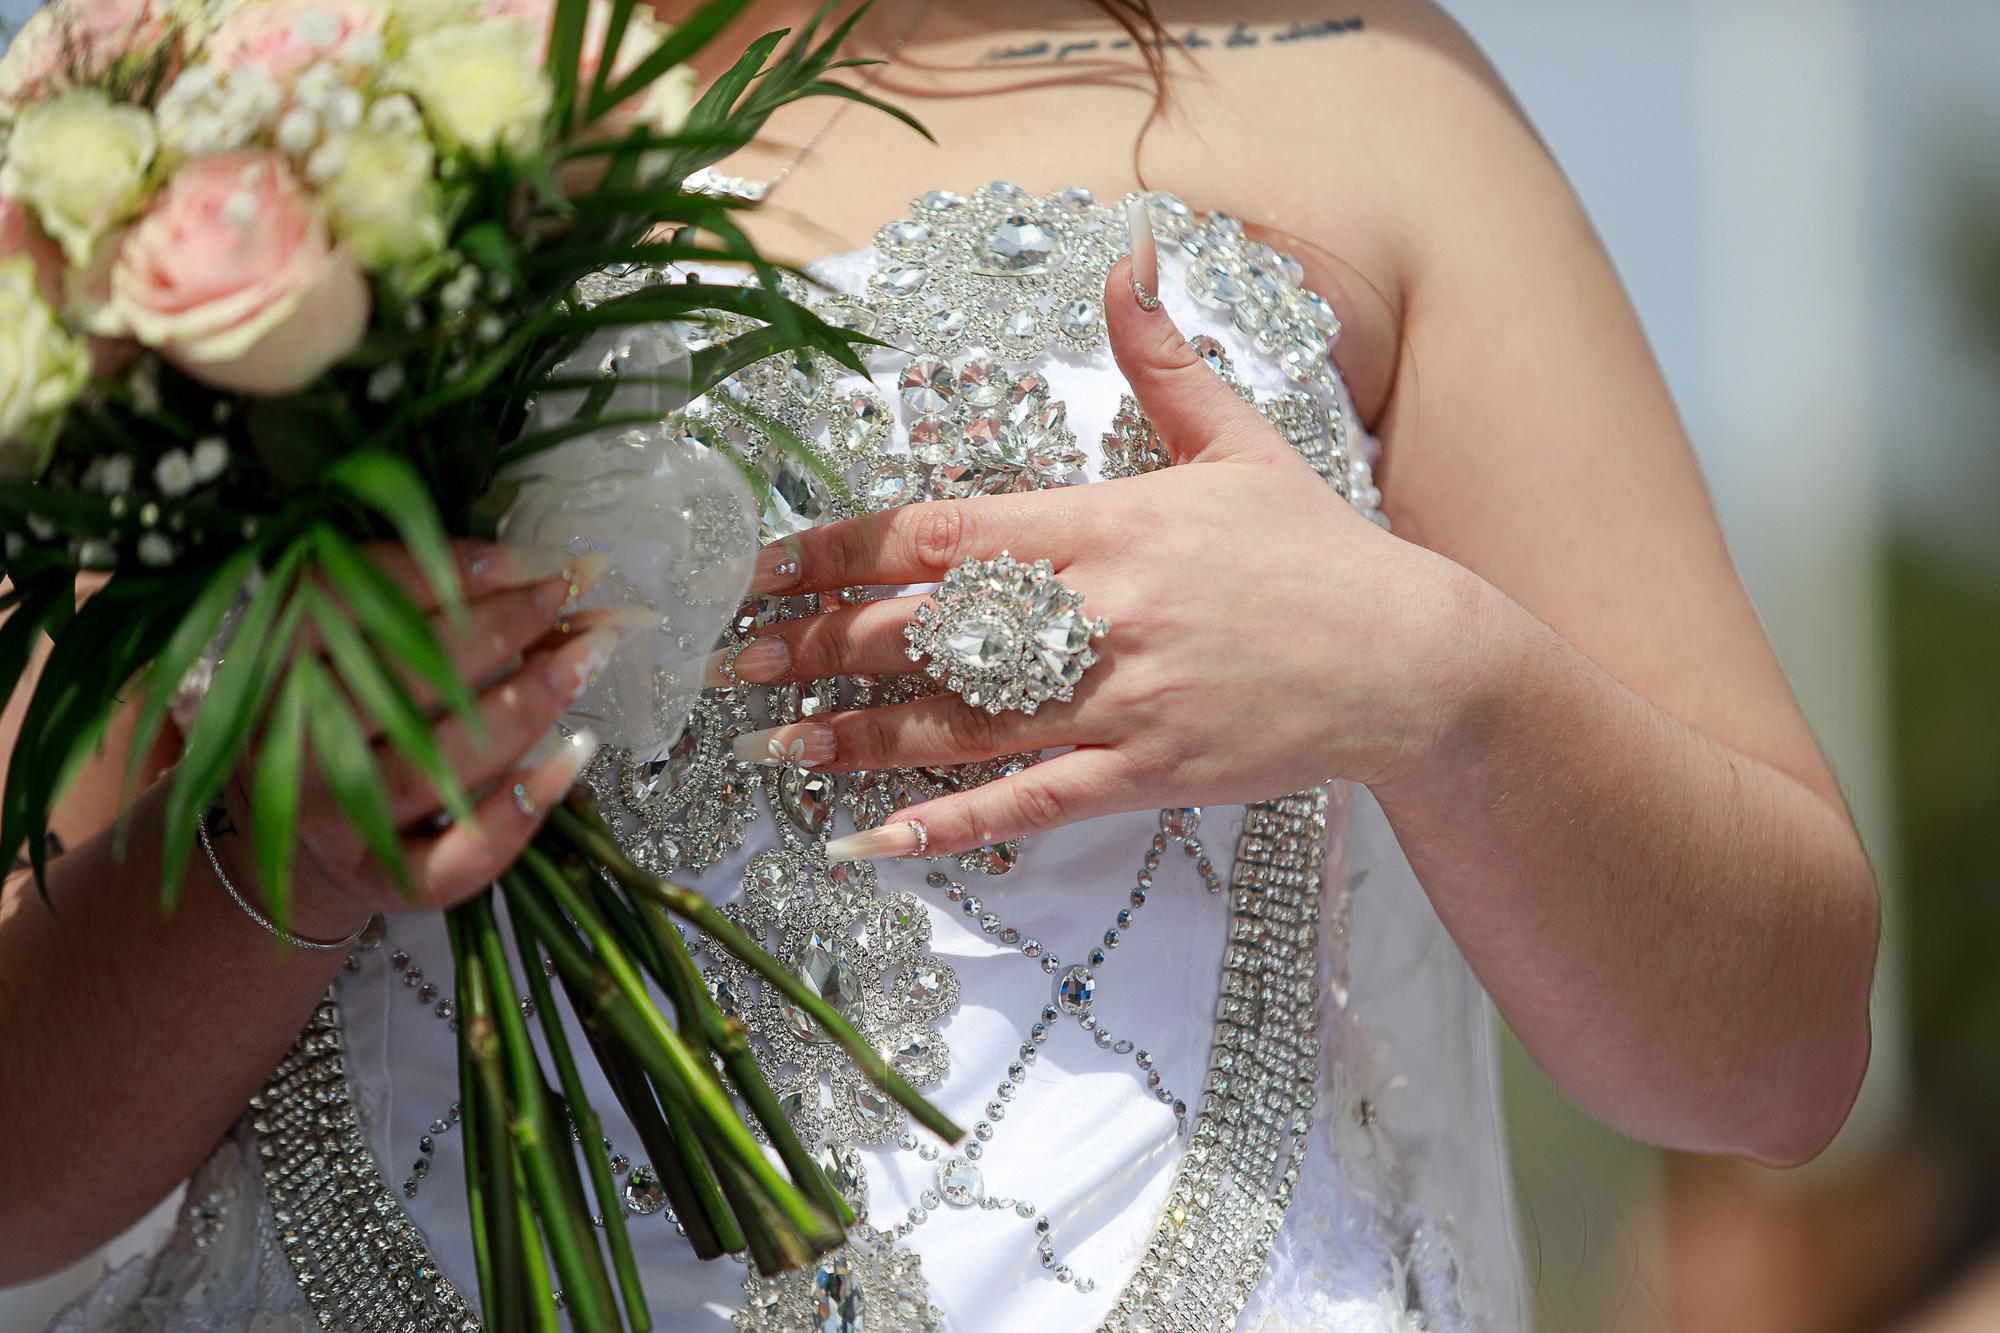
x=1193, y=39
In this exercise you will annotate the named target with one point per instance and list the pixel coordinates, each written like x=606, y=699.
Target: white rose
x=80, y=161
x=677, y=521
x=480, y=84
x=41, y=369
x=380, y=194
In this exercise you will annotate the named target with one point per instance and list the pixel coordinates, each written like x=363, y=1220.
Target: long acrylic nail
x=761, y=661
x=777, y=568
x=901, y=837
x=1145, y=254
x=518, y=566
x=572, y=667
x=551, y=779
x=801, y=744
x=623, y=619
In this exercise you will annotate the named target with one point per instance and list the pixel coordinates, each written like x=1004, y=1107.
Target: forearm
x=130, y=1039
x=1682, y=935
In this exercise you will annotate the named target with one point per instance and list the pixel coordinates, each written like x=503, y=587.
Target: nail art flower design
x=789, y=754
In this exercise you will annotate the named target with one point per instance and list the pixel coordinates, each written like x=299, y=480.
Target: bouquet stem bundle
x=606, y=927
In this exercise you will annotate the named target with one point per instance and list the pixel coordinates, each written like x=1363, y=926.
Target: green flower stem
x=539, y=1299
x=637, y=1316
x=728, y=1037
x=689, y=1078
x=642, y=1108
x=476, y=1201
x=620, y=994
x=538, y=1138
x=504, y=1305
x=657, y=943
x=775, y=1245
x=692, y=1184
x=684, y=1135
x=581, y=825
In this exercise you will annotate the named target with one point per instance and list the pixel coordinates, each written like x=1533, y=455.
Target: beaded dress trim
x=359, y=1262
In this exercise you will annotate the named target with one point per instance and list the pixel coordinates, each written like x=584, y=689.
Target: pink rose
x=73, y=41
x=282, y=37
x=20, y=234
x=232, y=276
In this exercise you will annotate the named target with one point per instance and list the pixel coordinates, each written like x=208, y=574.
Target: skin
x=1550, y=675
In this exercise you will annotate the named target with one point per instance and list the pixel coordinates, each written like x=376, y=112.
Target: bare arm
x=1632, y=832
x=129, y=1040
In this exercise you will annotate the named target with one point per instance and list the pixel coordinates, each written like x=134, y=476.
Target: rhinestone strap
x=1214, y=1234
x=359, y=1261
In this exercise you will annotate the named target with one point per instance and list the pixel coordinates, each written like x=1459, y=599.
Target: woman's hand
x=1264, y=636
x=530, y=657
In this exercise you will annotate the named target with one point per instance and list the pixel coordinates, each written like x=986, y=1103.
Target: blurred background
x=1804, y=199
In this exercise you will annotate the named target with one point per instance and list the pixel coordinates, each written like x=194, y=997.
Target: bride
x=1426, y=677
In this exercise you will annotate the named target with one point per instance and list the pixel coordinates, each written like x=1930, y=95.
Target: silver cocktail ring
x=1002, y=635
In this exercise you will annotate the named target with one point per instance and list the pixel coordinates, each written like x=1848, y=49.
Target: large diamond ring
x=1001, y=635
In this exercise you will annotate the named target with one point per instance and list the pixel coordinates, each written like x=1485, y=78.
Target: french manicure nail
x=585, y=570
x=1145, y=255
x=552, y=595
x=759, y=661
x=572, y=667
x=518, y=566
x=902, y=837
x=802, y=745
x=777, y=568
x=559, y=772
x=623, y=619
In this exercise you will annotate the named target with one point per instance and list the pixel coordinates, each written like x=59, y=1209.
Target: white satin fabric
x=1414, y=1202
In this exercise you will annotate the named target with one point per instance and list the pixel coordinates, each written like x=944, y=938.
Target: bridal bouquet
x=279, y=277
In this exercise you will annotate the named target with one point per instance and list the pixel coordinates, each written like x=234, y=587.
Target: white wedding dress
x=1271, y=1103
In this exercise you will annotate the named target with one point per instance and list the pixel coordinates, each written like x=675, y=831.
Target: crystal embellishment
x=1017, y=265
x=349, y=1243
x=644, y=1194
x=1075, y=989
x=959, y=1181
x=862, y=951
x=869, y=1285
x=1004, y=635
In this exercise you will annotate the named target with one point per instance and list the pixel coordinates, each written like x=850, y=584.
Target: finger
x=1063, y=790
x=1198, y=416
x=495, y=630
x=942, y=729
x=488, y=567
x=919, y=543
x=451, y=866
x=862, y=640
x=514, y=714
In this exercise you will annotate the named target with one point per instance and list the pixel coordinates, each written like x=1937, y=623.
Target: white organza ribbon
x=677, y=521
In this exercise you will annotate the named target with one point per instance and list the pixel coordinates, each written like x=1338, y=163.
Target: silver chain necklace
x=709, y=181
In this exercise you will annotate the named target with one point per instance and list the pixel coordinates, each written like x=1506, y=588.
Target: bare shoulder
x=1364, y=132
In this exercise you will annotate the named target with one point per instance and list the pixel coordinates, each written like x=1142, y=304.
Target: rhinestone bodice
x=1180, y=1123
